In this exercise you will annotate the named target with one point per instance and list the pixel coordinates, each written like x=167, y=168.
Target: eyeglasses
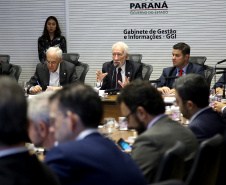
x=117, y=54
x=51, y=63
x=127, y=117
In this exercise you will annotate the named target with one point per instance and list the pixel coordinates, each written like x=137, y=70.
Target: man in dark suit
x=219, y=84
x=17, y=166
x=128, y=70
x=143, y=107
x=53, y=74
x=192, y=95
x=181, y=66
x=83, y=156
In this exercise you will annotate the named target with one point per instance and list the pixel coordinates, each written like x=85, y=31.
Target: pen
x=38, y=82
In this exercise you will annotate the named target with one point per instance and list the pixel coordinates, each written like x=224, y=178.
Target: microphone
x=155, y=81
x=171, y=77
x=112, y=78
x=221, y=61
x=220, y=72
x=112, y=91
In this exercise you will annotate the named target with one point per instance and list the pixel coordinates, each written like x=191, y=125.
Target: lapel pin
x=64, y=73
x=128, y=72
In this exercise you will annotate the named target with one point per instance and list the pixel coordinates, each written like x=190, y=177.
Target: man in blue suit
x=83, y=156
x=192, y=95
x=181, y=67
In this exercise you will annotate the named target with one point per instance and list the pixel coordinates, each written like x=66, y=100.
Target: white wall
x=92, y=26
x=22, y=22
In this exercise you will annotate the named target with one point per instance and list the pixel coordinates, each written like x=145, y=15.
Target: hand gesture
x=125, y=83
x=100, y=76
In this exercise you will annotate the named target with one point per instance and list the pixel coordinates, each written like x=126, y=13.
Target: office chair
x=81, y=68
x=221, y=177
x=172, y=164
x=5, y=58
x=209, y=73
x=17, y=71
x=200, y=60
x=205, y=168
x=146, y=71
x=169, y=182
x=135, y=57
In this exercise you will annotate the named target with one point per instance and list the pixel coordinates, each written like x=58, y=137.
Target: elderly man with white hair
x=39, y=120
x=53, y=74
x=120, y=71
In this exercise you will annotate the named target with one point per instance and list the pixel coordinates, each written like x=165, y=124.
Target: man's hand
x=100, y=76
x=36, y=89
x=217, y=106
x=164, y=90
x=50, y=88
x=125, y=83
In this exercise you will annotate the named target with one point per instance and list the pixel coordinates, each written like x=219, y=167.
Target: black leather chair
x=147, y=69
x=172, y=164
x=209, y=73
x=17, y=71
x=169, y=182
x=221, y=177
x=5, y=58
x=198, y=60
x=81, y=68
x=135, y=57
x=205, y=168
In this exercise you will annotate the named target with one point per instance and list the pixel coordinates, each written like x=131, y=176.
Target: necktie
x=119, y=78
x=180, y=72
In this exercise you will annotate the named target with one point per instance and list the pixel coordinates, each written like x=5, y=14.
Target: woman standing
x=51, y=36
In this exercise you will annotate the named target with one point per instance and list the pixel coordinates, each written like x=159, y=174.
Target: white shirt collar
x=85, y=133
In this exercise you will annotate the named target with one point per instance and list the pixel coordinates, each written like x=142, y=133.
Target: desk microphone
x=221, y=61
x=112, y=91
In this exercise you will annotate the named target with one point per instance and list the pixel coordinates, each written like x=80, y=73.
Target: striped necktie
x=119, y=78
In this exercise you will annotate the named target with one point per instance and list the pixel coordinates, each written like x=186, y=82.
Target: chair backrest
x=197, y=60
x=172, y=164
x=135, y=57
x=81, y=70
x=71, y=57
x=209, y=73
x=146, y=71
x=205, y=168
x=17, y=71
x=169, y=182
x=221, y=177
x=5, y=58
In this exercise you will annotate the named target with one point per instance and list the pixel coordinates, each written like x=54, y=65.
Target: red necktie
x=181, y=71
x=119, y=78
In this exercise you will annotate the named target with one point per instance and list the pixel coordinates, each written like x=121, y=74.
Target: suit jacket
x=172, y=71
x=207, y=124
x=221, y=81
x=93, y=160
x=150, y=146
x=133, y=70
x=42, y=75
x=25, y=169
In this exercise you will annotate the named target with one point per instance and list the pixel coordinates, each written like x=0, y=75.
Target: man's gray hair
x=38, y=108
x=57, y=50
x=126, y=48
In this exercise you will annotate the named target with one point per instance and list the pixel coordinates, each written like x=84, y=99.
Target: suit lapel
x=112, y=75
x=46, y=76
x=189, y=68
x=63, y=73
x=129, y=70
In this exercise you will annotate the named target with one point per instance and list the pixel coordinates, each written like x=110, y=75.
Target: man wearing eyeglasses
x=120, y=71
x=53, y=74
x=144, y=109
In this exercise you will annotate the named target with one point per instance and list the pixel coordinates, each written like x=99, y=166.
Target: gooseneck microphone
x=221, y=61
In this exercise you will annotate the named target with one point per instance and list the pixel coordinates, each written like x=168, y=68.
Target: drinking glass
x=25, y=87
x=109, y=124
